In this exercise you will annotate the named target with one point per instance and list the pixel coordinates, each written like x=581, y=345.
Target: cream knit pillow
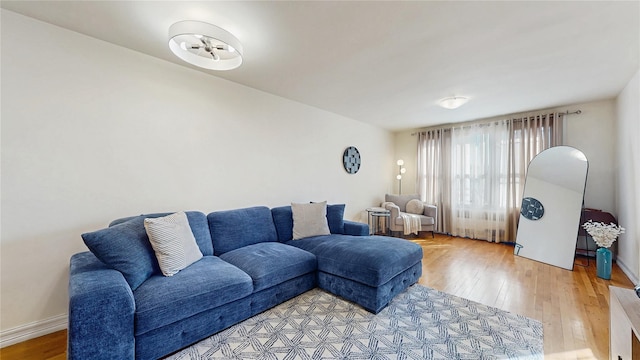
x=415, y=206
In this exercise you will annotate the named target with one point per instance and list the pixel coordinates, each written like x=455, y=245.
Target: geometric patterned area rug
x=420, y=323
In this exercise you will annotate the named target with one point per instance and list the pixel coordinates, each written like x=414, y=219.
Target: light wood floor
x=572, y=305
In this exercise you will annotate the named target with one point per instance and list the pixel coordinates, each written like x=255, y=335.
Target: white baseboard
x=32, y=330
x=627, y=271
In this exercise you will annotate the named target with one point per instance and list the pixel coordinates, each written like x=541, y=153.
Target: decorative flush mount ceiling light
x=205, y=45
x=453, y=102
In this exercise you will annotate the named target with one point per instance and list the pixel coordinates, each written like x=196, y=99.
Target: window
x=475, y=173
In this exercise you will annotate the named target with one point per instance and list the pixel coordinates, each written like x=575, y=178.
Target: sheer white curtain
x=479, y=155
x=475, y=173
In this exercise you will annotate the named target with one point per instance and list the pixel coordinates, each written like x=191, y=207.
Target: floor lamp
x=401, y=171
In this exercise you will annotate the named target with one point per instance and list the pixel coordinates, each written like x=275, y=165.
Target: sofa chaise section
x=368, y=270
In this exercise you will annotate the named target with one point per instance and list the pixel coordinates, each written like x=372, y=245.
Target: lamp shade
x=205, y=45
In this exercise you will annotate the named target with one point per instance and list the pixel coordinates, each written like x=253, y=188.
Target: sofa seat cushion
x=371, y=260
x=271, y=263
x=424, y=220
x=206, y=284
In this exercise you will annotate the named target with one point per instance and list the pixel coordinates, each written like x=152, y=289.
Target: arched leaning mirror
x=551, y=206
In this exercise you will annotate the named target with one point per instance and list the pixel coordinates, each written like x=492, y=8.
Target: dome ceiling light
x=453, y=102
x=205, y=45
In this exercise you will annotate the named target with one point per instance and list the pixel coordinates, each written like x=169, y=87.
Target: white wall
x=92, y=132
x=628, y=179
x=406, y=148
x=593, y=132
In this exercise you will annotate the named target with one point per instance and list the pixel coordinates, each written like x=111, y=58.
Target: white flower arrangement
x=603, y=234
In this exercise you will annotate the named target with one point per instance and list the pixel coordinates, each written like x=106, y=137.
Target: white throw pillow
x=173, y=242
x=415, y=206
x=309, y=219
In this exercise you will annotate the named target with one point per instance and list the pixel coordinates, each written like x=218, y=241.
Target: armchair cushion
x=424, y=220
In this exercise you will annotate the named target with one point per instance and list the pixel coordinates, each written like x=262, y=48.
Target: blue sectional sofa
x=122, y=307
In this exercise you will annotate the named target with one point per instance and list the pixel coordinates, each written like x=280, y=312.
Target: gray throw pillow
x=309, y=219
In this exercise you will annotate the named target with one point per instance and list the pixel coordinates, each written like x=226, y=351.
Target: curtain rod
x=577, y=112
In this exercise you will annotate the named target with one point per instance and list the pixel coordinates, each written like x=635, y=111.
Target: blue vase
x=603, y=263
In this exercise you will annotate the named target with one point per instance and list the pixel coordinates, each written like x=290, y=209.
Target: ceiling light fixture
x=453, y=102
x=205, y=45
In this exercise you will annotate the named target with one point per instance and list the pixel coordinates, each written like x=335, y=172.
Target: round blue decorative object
x=351, y=160
x=531, y=209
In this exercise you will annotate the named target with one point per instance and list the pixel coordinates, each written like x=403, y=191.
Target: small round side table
x=378, y=218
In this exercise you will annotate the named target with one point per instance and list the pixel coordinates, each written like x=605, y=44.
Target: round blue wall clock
x=351, y=160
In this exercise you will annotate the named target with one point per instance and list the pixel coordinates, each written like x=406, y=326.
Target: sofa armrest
x=430, y=210
x=394, y=209
x=355, y=228
x=101, y=310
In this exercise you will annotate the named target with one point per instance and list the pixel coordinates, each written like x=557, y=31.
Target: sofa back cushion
x=335, y=217
x=401, y=200
x=197, y=221
x=233, y=229
x=283, y=220
x=125, y=246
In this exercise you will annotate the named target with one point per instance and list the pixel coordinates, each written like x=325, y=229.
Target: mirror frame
x=558, y=183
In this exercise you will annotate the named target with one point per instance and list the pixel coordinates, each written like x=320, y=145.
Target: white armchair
x=397, y=205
